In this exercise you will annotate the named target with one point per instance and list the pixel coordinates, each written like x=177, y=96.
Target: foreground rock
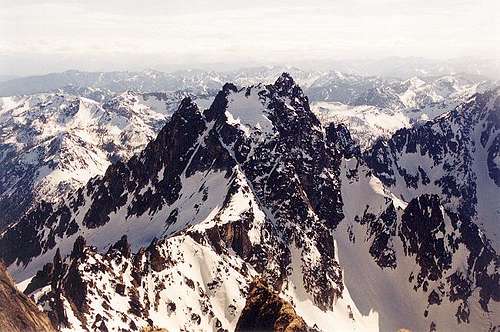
x=18, y=312
x=266, y=311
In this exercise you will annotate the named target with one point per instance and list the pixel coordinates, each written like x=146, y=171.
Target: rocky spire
x=285, y=82
x=219, y=104
x=122, y=246
x=78, y=247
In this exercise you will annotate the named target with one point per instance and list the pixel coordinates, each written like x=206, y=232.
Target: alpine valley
x=178, y=202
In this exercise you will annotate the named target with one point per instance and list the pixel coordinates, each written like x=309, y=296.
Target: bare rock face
x=266, y=311
x=17, y=312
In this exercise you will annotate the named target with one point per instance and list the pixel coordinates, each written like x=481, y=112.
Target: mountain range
x=53, y=142
x=253, y=213
x=410, y=99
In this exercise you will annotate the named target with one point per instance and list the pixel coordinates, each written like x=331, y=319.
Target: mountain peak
x=187, y=102
x=285, y=82
x=187, y=107
x=285, y=86
x=227, y=87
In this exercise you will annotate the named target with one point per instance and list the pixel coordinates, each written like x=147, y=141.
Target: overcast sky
x=41, y=36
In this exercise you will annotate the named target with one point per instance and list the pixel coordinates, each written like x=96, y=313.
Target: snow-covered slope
x=455, y=156
x=253, y=187
x=51, y=144
x=366, y=123
x=373, y=107
x=415, y=263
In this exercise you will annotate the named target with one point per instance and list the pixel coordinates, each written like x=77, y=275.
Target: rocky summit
x=252, y=214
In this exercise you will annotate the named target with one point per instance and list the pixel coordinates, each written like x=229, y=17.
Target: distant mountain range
x=350, y=98
x=373, y=107
x=209, y=82
x=194, y=81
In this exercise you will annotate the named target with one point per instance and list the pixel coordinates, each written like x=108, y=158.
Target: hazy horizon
x=55, y=35
x=397, y=67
